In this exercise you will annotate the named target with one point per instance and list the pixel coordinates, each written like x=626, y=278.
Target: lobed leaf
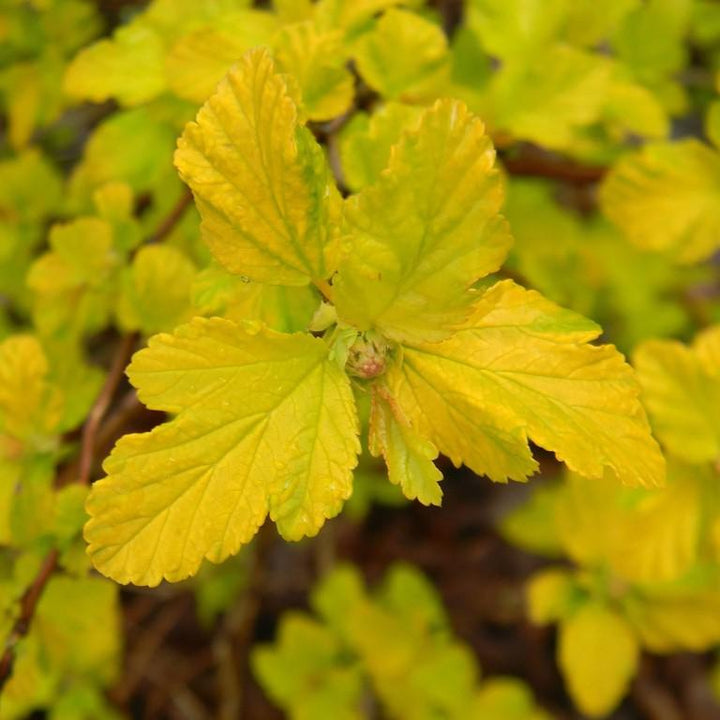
x=260, y=180
x=521, y=367
x=317, y=61
x=425, y=231
x=265, y=423
x=409, y=457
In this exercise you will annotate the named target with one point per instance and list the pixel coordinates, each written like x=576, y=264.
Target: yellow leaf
x=317, y=61
x=286, y=309
x=265, y=423
x=260, y=180
x=547, y=103
x=409, y=457
x=129, y=67
x=598, y=654
x=365, y=141
x=681, y=389
x=665, y=197
x=155, y=294
x=404, y=57
x=425, y=231
x=509, y=28
x=196, y=63
x=525, y=364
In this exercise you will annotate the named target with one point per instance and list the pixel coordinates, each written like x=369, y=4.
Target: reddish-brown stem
x=101, y=405
x=540, y=165
x=172, y=218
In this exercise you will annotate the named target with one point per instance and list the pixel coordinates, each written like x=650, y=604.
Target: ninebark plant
x=265, y=423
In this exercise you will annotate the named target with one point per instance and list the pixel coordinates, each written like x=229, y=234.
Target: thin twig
x=554, y=168
x=101, y=405
x=172, y=218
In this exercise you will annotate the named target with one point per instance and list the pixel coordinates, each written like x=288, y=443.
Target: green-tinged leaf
x=127, y=67
x=155, y=292
x=552, y=595
x=681, y=390
x=651, y=41
x=70, y=369
x=285, y=309
x=598, y=655
x=416, y=668
x=548, y=104
x=78, y=621
x=517, y=28
x=73, y=282
x=404, y=57
x=554, y=248
x=352, y=16
x=196, y=63
x=308, y=674
x=525, y=364
x=409, y=594
x=32, y=504
x=589, y=23
x=665, y=197
x=130, y=146
x=336, y=597
x=218, y=588
x=22, y=213
x=115, y=203
x=266, y=423
x=365, y=141
x=69, y=512
x=20, y=178
x=425, y=231
x=317, y=61
x=409, y=457
x=632, y=109
x=260, y=180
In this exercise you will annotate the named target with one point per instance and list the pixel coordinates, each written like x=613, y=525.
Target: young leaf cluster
x=265, y=422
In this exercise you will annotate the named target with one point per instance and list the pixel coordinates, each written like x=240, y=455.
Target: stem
x=101, y=405
x=172, y=218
